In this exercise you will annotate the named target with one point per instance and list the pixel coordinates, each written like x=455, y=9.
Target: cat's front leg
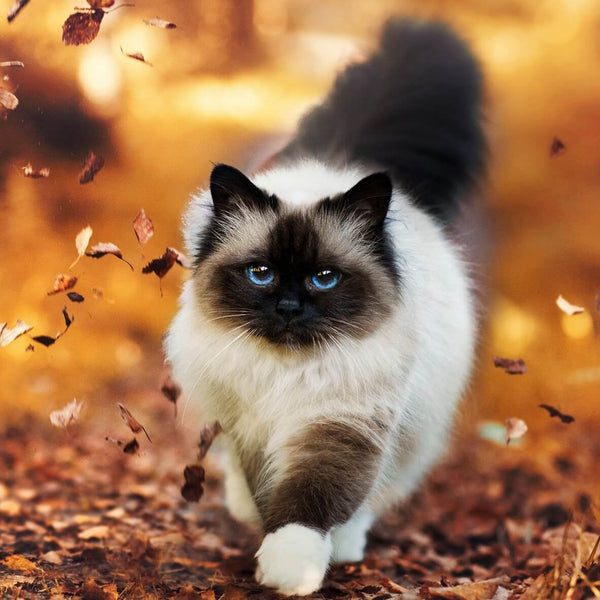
x=320, y=479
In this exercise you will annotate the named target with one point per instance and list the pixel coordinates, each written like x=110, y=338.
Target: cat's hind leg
x=349, y=540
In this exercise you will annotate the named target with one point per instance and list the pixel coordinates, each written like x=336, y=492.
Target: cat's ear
x=231, y=190
x=370, y=198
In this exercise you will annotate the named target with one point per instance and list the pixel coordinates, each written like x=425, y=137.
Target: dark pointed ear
x=231, y=190
x=370, y=198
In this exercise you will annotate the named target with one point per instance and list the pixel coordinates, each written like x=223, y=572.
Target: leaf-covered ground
x=79, y=518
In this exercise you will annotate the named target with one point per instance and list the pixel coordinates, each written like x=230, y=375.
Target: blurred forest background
x=228, y=85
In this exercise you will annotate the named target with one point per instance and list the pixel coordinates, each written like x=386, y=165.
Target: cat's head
x=296, y=274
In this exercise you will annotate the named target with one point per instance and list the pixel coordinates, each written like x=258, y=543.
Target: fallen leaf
x=143, y=227
x=476, y=590
x=133, y=446
x=557, y=147
x=17, y=562
x=567, y=307
x=82, y=239
x=62, y=283
x=12, y=63
x=93, y=163
x=161, y=23
x=90, y=590
x=99, y=531
x=15, y=9
x=82, y=27
x=8, y=99
x=512, y=366
x=515, y=429
x=554, y=412
x=137, y=56
x=192, y=489
x=104, y=248
x=29, y=171
x=52, y=557
x=207, y=435
x=131, y=421
x=10, y=335
x=66, y=415
x=75, y=297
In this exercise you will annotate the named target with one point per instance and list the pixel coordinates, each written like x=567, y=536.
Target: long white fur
x=413, y=369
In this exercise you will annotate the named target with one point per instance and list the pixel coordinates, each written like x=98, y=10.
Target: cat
x=329, y=323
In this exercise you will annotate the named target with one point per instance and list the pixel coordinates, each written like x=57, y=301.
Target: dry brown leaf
x=10, y=335
x=8, y=99
x=66, y=415
x=17, y=562
x=48, y=340
x=515, y=429
x=29, y=171
x=62, y=283
x=104, y=248
x=82, y=239
x=161, y=23
x=99, y=531
x=567, y=307
x=100, y=3
x=192, y=489
x=143, y=227
x=170, y=390
x=557, y=147
x=93, y=163
x=75, y=297
x=162, y=265
x=82, y=27
x=554, y=412
x=512, y=366
x=131, y=421
x=132, y=447
x=137, y=56
x=477, y=590
x=15, y=9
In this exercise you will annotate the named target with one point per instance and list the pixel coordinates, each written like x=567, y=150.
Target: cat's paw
x=349, y=539
x=293, y=559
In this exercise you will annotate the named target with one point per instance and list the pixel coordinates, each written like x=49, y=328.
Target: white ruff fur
x=413, y=370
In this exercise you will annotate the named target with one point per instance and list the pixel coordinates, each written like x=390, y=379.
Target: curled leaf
x=93, y=163
x=82, y=27
x=567, y=307
x=131, y=421
x=137, y=56
x=162, y=265
x=67, y=415
x=104, y=248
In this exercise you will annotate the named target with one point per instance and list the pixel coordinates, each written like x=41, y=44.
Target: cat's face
x=296, y=277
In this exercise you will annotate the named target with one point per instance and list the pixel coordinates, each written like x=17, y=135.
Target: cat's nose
x=289, y=306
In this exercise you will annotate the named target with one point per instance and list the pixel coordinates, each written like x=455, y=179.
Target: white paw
x=349, y=540
x=293, y=559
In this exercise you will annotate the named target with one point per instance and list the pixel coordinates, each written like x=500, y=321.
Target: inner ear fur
x=231, y=190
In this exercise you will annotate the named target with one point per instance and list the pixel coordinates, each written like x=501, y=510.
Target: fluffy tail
x=413, y=109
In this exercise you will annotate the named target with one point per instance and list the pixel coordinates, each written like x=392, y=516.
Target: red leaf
x=93, y=163
x=82, y=27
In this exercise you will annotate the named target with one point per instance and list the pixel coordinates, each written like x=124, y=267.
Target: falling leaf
x=15, y=9
x=10, y=335
x=29, y=171
x=133, y=446
x=567, y=307
x=67, y=415
x=136, y=56
x=170, y=390
x=68, y=319
x=82, y=239
x=156, y=22
x=75, y=297
x=192, y=489
x=207, y=435
x=12, y=63
x=82, y=27
x=48, y=340
x=554, y=412
x=93, y=163
x=512, y=366
x=100, y=3
x=515, y=428
x=131, y=421
x=162, y=265
x=104, y=248
x=30, y=348
x=8, y=99
x=143, y=227
x=62, y=283
x=557, y=147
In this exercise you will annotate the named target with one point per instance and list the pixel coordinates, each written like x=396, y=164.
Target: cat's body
x=329, y=324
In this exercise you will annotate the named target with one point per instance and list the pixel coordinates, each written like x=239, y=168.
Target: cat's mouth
x=289, y=335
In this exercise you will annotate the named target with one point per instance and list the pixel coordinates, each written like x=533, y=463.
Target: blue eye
x=325, y=279
x=260, y=274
